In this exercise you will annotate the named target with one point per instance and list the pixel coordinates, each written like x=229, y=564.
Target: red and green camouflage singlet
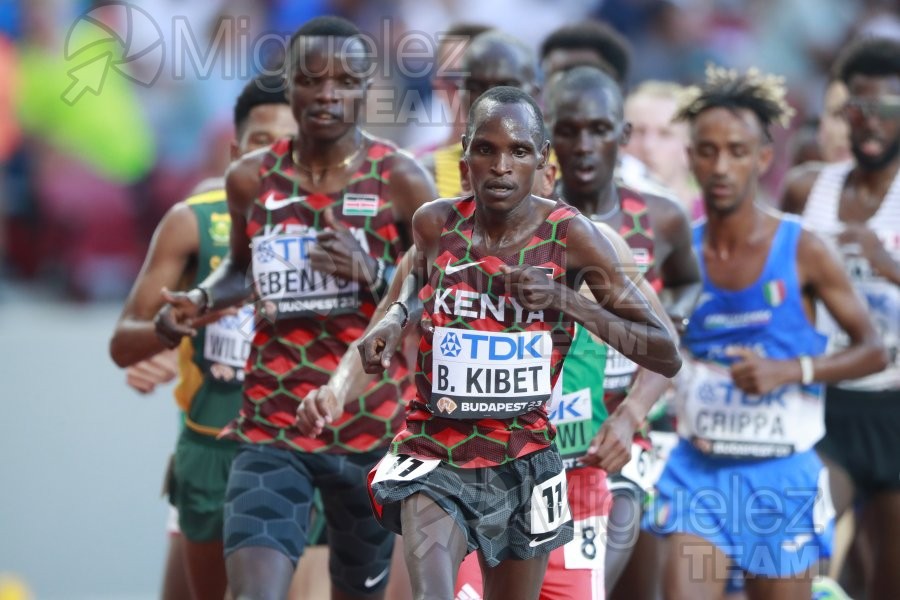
x=484, y=379
x=309, y=318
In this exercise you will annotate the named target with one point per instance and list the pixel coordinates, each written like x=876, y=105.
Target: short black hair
x=494, y=38
x=581, y=79
x=264, y=89
x=328, y=26
x=466, y=30
x=609, y=45
x=504, y=95
x=872, y=56
x=763, y=95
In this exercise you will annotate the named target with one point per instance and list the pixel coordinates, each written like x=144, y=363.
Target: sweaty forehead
x=515, y=120
x=591, y=103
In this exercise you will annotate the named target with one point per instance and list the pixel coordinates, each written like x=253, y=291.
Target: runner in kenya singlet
x=484, y=379
x=308, y=318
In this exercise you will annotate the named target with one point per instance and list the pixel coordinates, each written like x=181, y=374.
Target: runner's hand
x=147, y=374
x=173, y=321
x=754, y=374
x=530, y=286
x=610, y=449
x=319, y=408
x=336, y=252
x=376, y=348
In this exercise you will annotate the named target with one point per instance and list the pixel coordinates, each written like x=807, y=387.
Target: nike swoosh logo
x=272, y=204
x=450, y=269
x=373, y=581
x=541, y=540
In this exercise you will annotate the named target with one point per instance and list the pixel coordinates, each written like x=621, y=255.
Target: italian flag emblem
x=774, y=291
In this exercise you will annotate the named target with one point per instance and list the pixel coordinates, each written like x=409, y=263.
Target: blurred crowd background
x=84, y=183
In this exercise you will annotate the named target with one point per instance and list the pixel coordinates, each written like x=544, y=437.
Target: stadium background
x=85, y=177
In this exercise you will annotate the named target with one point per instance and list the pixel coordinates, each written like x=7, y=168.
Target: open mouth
x=324, y=117
x=871, y=147
x=585, y=172
x=499, y=188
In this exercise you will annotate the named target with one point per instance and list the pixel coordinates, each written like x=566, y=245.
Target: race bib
x=587, y=550
x=882, y=299
x=619, y=371
x=721, y=419
x=641, y=469
x=572, y=416
x=480, y=374
x=286, y=283
x=402, y=467
x=550, y=504
x=226, y=345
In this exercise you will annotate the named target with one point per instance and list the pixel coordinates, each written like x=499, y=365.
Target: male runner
x=320, y=218
x=588, y=43
x=585, y=110
x=856, y=204
x=475, y=468
x=189, y=242
x=492, y=59
x=744, y=489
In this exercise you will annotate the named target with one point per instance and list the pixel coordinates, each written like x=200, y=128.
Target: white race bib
x=481, y=374
x=286, y=283
x=587, y=550
x=228, y=340
x=882, y=299
x=721, y=419
x=550, y=504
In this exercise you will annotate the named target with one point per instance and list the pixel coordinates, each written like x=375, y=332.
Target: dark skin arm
x=676, y=259
x=823, y=277
x=798, y=184
x=620, y=314
x=227, y=284
x=323, y=405
x=611, y=447
x=378, y=346
x=174, y=245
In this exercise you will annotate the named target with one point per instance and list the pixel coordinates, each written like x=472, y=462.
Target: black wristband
x=405, y=321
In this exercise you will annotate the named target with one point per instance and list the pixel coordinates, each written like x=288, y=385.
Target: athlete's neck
x=498, y=229
x=604, y=202
x=727, y=232
x=316, y=154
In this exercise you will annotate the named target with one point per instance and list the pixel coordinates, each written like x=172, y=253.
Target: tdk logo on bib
x=450, y=346
x=509, y=371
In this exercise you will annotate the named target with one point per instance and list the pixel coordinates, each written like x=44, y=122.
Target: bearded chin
x=874, y=163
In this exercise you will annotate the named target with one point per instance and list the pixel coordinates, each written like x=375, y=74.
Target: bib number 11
x=550, y=505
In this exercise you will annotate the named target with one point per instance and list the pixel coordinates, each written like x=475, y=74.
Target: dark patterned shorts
x=518, y=510
x=268, y=502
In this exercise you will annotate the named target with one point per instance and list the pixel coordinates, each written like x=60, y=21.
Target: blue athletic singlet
x=744, y=475
x=767, y=317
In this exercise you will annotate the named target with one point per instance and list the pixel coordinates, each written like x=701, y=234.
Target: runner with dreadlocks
x=744, y=488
